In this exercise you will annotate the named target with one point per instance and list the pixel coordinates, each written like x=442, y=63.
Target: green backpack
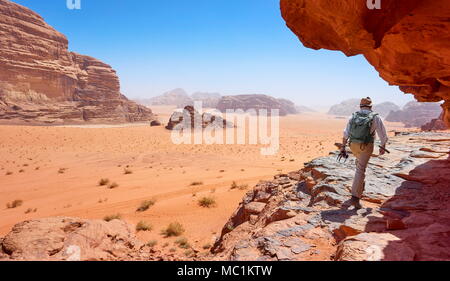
x=360, y=127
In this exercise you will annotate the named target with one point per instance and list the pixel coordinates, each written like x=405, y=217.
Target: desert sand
x=56, y=171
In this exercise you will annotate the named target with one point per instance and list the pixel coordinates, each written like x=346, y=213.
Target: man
x=360, y=133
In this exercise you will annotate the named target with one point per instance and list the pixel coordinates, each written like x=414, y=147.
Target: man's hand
x=382, y=150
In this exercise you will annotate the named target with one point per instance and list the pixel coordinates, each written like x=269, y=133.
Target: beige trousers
x=362, y=154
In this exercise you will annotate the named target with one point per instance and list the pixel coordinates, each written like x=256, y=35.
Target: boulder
x=68, y=239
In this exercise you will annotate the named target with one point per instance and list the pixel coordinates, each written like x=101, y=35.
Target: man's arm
x=346, y=134
x=381, y=131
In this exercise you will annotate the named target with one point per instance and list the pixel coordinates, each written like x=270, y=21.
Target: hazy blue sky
x=225, y=46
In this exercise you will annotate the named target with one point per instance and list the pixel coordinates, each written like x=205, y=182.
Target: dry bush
x=145, y=205
x=14, y=204
x=103, y=182
x=207, y=202
x=196, y=183
x=112, y=217
x=143, y=226
x=113, y=185
x=173, y=229
x=183, y=243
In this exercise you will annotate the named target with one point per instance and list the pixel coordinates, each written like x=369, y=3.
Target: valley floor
x=55, y=171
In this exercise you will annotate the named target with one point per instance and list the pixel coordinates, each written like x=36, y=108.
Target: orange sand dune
x=56, y=170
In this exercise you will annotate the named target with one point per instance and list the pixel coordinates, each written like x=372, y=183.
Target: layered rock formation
x=348, y=107
x=435, y=125
x=189, y=118
x=407, y=41
x=304, y=215
x=73, y=239
x=415, y=114
x=41, y=81
x=256, y=102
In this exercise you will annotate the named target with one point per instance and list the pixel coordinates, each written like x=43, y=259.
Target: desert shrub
x=183, y=243
x=113, y=185
x=31, y=210
x=207, y=202
x=112, y=217
x=196, y=183
x=14, y=204
x=9, y=173
x=173, y=229
x=103, y=182
x=152, y=243
x=127, y=171
x=206, y=246
x=189, y=253
x=62, y=170
x=234, y=185
x=143, y=226
x=145, y=205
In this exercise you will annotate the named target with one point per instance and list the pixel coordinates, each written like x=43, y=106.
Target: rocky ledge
x=74, y=239
x=304, y=215
x=41, y=82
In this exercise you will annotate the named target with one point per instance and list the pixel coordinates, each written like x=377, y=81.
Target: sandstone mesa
x=42, y=82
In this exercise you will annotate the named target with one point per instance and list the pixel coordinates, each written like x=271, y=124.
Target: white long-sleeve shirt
x=377, y=126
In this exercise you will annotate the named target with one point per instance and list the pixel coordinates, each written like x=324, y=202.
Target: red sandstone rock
x=41, y=81
x=407, y=41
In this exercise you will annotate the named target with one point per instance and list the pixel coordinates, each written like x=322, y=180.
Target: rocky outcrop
x=189, y=118
x=256, y=102
x=42, y=82
x=348, y=107
x=407, y=41
x=435, y=125
x=72, y=239
x=415, y=114
x=305, y=215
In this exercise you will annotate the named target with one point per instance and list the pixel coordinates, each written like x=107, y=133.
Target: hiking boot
x=355, y=202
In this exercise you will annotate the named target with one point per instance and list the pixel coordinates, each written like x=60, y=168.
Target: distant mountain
x=209, y=99
x=304, y=109
x=348, y=107
x=345, y=108
x=257, y=102
x=177, y=97
x=415, y=114
x=385, y=108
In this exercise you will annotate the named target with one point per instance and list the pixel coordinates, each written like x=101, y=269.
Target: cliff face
x=40, y=80
x=407, y=41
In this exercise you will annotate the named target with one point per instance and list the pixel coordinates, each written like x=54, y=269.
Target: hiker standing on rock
x=360, y=134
